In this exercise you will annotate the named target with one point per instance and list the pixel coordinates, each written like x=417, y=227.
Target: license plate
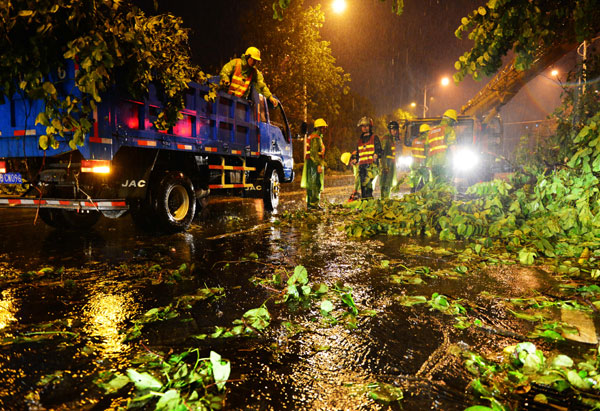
x=11, y=178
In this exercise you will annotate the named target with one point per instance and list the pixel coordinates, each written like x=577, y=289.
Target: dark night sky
x=389, y=57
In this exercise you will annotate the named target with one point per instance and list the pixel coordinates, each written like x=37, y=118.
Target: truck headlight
x=404, y=162
x=465, y=159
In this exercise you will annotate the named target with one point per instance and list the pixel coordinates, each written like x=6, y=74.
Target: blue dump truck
x=242, y=147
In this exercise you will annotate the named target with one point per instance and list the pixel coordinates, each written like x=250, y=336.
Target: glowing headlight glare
x=465, y=159
x=404, y=161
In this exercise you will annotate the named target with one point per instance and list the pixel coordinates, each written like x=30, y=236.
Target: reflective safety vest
x=239, y=85
x=308, y=140
x=436, y=140
x=392, y=156
x=366, y=151
x=418, y=150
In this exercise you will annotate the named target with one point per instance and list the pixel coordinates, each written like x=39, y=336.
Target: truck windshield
x=464, y=131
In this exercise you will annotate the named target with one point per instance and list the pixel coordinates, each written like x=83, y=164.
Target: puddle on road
x=61, y=329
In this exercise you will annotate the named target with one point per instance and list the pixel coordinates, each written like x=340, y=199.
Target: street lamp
x=444, y=82
x=338, y=6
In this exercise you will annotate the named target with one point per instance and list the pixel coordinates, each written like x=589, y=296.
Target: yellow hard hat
x=451, y=113
x=424, y=127
x=253, y=52
x=365, y=121
x=320, y=123
x=345, y=158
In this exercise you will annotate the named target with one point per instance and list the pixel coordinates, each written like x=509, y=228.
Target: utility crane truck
x=479, y=130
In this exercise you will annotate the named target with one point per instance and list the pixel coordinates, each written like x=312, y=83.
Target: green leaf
x=43, y=142
x=349, y=301
x=527, y=257
x=320, y=289
x=168, y=401
x=576, y=381
x=49, y=88
x=114, y=385
x=300, y=276
x=561, y=361
x=258, y=318
x=326, y=306
x=143, y=381
x=410, y=300
x=220, y=368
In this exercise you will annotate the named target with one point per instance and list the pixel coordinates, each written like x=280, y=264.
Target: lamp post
x=443, y=82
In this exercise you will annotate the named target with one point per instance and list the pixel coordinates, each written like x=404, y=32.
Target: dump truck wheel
x=174, y=202
x=52, y=217
x=69, y=219
x=80, y=220
x=271, y=189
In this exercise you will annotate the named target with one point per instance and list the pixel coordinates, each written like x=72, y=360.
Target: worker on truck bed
x=439, y=140
x=368, y=153
x=388, y=160
x=314, y=166
x=239, y=73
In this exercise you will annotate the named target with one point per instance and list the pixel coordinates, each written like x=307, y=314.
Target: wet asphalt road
x=30, y=242
x=110, y=279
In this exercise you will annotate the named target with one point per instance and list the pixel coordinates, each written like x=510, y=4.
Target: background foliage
x=111, y=42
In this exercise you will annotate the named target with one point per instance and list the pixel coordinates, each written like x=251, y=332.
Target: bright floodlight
x=339, y=6
x=554, y=73
x=413, y=104
x=465, y=159
x=445, y=81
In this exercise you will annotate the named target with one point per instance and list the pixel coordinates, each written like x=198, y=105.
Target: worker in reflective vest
x=419, y=173
x=439, y=140
x=314, y=165
x=388, y=160
x=345, y=158
x=240, y=73
x=368, y=153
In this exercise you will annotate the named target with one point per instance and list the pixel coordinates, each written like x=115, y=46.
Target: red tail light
x=95, y=166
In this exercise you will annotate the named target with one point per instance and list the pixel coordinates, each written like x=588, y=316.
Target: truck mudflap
x=78, y=205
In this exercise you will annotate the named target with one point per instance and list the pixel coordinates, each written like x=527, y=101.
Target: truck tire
x=271, y=189
x=52, y=217
x=80, y=220
x=174, y=202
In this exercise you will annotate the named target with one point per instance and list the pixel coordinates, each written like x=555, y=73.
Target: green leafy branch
x=173, y=384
